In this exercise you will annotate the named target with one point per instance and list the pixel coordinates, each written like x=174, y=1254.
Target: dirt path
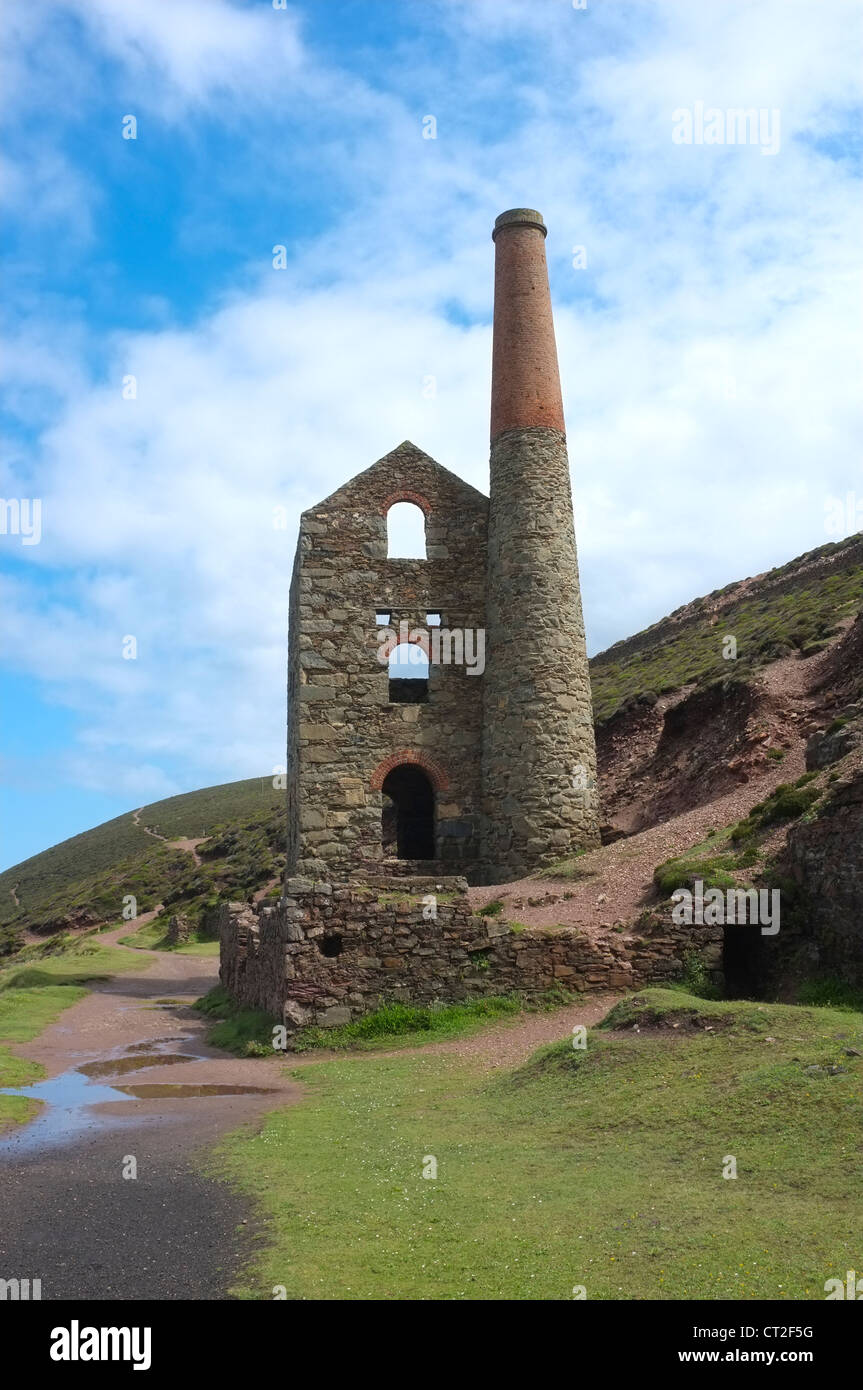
x=618, y=880
x=67, y=1213
x=186, y=846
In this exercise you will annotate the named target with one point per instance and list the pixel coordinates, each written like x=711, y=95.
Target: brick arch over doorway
x=435, y=773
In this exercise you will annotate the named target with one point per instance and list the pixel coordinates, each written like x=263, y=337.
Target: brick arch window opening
x=409, y=674
x=406, y=531
x=408, y=815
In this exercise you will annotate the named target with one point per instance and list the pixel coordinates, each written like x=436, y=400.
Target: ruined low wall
x=823, y=856
x=327, y=953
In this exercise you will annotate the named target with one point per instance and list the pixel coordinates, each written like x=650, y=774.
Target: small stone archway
x=409, y=781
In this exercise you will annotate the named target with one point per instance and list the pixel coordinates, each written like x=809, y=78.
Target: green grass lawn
x=152, y=938
x=600, y=1168
x=35, y=988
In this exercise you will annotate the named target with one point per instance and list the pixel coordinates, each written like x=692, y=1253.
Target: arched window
x=407, y=823
x=409, y=674
x=406, y=532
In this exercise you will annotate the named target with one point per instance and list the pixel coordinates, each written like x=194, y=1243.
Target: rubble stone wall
x=329, y=952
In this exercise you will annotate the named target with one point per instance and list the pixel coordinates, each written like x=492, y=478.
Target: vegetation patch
x=152, y=938
x=789, y=801
x=600, y=1167
x=798, y=613
x=417, y=1023
x=245, y=1032
x=571, y=869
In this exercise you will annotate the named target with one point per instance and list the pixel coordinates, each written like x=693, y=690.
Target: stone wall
x=824, y=935
x=330, y=952
x=343, y=731
x=540, y=797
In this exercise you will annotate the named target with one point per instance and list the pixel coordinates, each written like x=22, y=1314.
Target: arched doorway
x=408, y=813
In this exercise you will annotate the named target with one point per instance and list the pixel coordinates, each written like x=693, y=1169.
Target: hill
x=794, y=609
x=679, y=724
x=189, y=849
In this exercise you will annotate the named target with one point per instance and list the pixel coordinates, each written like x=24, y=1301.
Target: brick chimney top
x=525, y=382
x=519, y=217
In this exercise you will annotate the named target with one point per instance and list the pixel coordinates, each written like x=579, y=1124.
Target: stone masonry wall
x=330, y=952
x=825, y=933
x=540, y=797
x=343, y=732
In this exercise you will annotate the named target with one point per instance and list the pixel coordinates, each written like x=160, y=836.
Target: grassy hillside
x=794, y=608
x=600, y=1168
x=84, y=879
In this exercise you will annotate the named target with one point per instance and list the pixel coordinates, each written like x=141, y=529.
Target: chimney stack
x=525, y=382
x=539, y=756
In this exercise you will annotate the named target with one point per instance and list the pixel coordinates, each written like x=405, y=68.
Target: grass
x=152, y=938
x=415, y=1022
x=245, y=1032
x=793, y=609
x=35, y=988
x=600, y=1167
x=830, y=993
x=716, y=871
x=571, y=869
x=788, y=801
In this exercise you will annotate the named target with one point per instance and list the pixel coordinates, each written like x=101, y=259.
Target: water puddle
x=120, y=1065
x=67, y=1100
x=65, y=1111
x=157, y=1090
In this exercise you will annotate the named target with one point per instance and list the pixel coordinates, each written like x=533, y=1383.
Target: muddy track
x=67, y=1213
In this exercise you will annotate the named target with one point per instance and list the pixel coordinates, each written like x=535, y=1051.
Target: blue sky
x=710, y=347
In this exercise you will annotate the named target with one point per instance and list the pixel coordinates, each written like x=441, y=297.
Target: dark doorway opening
x=408, y=814
x=743, y=962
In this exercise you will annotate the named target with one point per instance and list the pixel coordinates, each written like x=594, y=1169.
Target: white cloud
x=709, y=353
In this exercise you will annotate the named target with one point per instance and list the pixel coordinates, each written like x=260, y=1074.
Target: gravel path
x=68, y=1215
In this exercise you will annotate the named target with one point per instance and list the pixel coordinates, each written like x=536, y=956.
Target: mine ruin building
x=478, y=757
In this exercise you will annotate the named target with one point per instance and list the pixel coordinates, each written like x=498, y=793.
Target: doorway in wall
x=408, y=814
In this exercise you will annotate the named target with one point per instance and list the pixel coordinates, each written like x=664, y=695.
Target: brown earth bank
x=674, y=770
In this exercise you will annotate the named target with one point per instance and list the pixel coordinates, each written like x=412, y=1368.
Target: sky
x=175, y=391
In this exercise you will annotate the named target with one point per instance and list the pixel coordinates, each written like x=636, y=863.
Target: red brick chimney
x=525, y=382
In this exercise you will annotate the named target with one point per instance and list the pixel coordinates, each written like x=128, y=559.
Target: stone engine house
x=479, y=761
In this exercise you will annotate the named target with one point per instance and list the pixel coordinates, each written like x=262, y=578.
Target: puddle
x=65, y=1112
x=156, y=1090
x=120, y=1065
x=68, y=1099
